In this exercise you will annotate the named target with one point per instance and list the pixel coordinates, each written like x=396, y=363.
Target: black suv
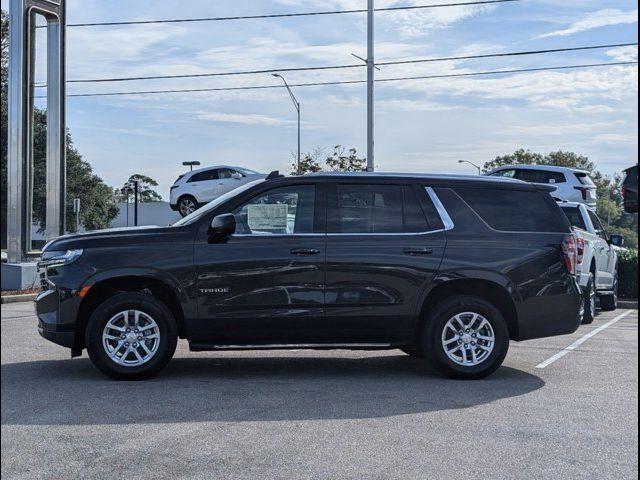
x=630, y=190
x=449, y=268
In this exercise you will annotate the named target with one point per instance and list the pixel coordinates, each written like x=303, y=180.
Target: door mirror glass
x=222, y=227
x=617, y=240
x=236, y=176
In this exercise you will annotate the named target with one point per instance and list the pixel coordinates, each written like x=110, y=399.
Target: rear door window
x=515, y=210
x=575, y=217
x=204, y=176
x=371, y=209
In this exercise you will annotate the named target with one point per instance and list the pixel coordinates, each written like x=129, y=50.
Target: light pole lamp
x=471, y=163
x=191, y=165
x=296, y=104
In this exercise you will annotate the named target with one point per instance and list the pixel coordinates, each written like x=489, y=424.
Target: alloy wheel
x=131, y=338
x=468, y=339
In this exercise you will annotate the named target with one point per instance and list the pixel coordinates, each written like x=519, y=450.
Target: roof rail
x=274, y=174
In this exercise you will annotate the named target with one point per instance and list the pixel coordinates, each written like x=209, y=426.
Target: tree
x=309, y=162
x=146, y=192
x=96, y=199
x=609, y=207
x=340, y=160
x=343, y=160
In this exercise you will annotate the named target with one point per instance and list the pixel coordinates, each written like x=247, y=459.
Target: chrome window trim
x=442, y=212
x=444, y=215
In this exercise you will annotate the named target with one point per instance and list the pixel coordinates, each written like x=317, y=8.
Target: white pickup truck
x=597, y=259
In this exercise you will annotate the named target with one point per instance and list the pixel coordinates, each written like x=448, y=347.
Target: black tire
x=413, y=351
x=185, y=205
x=609, y=303
x=436, y=322
x=589, y=301
x=146, y=304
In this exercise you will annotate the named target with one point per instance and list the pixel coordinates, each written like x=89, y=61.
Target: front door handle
x=304, y=252
x=418, y=251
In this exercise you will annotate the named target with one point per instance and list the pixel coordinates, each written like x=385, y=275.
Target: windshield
x=213, y=204
x=246, y=171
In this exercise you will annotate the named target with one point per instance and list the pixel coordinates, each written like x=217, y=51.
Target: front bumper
x=56, y=311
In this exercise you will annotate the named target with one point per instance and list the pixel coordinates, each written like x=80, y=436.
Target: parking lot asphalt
x=316, y=414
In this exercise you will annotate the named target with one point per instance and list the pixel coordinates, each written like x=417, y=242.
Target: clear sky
x=422, y=125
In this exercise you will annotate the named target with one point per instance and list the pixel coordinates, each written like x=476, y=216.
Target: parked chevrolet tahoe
x=444, y=267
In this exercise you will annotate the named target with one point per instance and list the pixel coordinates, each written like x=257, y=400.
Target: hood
x=108, y=236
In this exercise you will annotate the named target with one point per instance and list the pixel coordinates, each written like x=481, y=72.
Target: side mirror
x=236, y=176
x=617, y=240
x=222, y=227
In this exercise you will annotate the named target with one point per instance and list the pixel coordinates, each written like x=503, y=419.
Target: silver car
x=572, y=185
x=193, y=189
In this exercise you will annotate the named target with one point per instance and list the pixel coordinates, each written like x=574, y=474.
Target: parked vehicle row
x=449, y=268
x=597, y=268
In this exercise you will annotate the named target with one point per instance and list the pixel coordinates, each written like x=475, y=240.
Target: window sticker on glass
x=267, y=217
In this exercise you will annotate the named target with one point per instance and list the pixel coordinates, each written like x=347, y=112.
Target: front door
x=265, y=285
x=384, y=245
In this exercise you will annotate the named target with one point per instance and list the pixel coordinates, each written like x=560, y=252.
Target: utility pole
x=135, y=203
x=370, y=80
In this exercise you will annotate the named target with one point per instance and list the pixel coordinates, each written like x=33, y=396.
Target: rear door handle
x=303, y=252
x=418, y=251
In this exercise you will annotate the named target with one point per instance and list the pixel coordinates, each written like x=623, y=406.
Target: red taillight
x=584, y=191
x=570, y=251
x=580, y=244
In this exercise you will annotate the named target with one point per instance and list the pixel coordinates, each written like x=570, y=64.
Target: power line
x=284, y=15
x=507, y=54
x=350, y=82
x=336, y=67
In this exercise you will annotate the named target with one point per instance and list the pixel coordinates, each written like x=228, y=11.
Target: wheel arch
x=489, y=290
x=102, y=288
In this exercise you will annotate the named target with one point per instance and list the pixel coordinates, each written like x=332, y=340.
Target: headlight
x=60, y=257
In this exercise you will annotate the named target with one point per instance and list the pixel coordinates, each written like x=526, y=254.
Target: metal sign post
x=76, y=212
x=22, y=36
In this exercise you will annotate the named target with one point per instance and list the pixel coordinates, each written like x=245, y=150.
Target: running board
x=203, y=347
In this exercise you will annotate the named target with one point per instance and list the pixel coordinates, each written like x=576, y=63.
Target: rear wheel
x=131, y=336
x=589, y=301
x=187, y=205
x=466, y=337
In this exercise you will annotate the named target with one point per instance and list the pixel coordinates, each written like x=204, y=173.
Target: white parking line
x=581, y=340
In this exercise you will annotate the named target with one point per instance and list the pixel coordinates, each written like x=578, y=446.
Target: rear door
x=385, y=243
x=204, y=185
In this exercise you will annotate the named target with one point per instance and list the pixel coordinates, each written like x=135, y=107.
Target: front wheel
x=609, y=303
x=466, y=338
x=131, y=336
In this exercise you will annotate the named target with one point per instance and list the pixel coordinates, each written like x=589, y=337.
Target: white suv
x=572, y=185
x=193, y=189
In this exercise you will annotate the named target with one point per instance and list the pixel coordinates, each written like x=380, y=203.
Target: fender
x=188, y=307
x=470, y=274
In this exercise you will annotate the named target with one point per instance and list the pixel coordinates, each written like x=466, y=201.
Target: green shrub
x=628, y=273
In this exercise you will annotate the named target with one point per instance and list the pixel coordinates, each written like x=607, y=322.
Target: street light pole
x=370, y=80
x=471, y=163
x=296, y=104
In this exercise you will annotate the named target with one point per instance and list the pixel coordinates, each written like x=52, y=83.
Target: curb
x=29, y=297
x=630, y=304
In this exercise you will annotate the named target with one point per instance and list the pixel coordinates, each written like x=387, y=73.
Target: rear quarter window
x=515, y=210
